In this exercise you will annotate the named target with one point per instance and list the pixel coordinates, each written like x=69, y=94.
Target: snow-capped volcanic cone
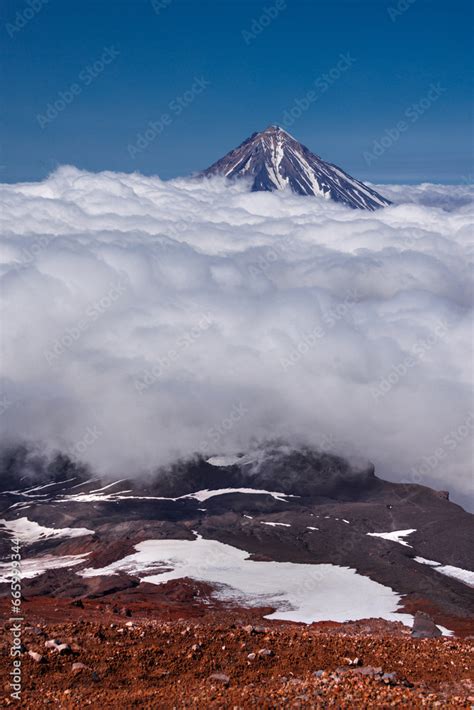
x=274, y=160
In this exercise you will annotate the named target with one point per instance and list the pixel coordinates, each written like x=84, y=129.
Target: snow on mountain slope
x=299, y=592
x=276, y=161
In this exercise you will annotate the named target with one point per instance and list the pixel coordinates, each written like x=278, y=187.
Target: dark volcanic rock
x=317, y=509
x=424, y=627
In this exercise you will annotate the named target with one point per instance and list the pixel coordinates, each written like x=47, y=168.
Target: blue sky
x=209, y=73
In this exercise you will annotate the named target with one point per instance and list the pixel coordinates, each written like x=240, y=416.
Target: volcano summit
x=274, y=160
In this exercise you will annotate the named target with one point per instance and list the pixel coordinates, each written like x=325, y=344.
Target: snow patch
x=462, y=575
x=206, y=493
x=27, y=531
x=223, y=460
x=395, y=536
x=34, y=567
x=299, y=592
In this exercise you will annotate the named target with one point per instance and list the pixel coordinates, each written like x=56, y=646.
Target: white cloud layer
x=143, y=319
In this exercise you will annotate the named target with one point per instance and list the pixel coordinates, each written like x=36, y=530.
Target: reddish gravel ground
x=140, y=662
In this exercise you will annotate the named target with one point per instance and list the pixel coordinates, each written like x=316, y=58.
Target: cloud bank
x=144, y=320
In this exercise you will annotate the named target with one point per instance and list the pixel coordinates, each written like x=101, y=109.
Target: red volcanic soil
x=186, y=651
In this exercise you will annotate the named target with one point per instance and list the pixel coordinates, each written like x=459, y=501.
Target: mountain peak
x=275, y=128
x=274, y=160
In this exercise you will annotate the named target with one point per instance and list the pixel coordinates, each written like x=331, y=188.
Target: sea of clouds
x=144, y=320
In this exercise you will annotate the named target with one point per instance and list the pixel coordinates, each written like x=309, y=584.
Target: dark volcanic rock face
x=277, y=503
x=274, y=160
x=301, y=472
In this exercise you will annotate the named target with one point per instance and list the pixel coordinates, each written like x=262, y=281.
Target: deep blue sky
x=251, y=84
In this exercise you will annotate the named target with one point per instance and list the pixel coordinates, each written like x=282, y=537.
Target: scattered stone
x=78, y=603
x=252, y=656
x=37, y=657
x=220, y=678
x=78, y=667
x=424, y=627
x=248, y=628
x=265, y=652
x=64, y=649
x=52, y=643
x=318, y=674
x=369, y=670
x=353, y=661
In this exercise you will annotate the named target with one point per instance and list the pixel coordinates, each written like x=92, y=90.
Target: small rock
x=369, y=670
x=353, y=661
x=37, y=657
x=78, y=667
x=318, y=674
x=248, y=628
x=78, y=603
x=220, y=678
x=252, y=656
x=95, y=677
x=265, y=652
x=424, y=627
x=52, y=643
x=64, y=649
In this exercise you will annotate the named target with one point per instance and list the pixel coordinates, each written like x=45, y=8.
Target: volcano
x=274, y=160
